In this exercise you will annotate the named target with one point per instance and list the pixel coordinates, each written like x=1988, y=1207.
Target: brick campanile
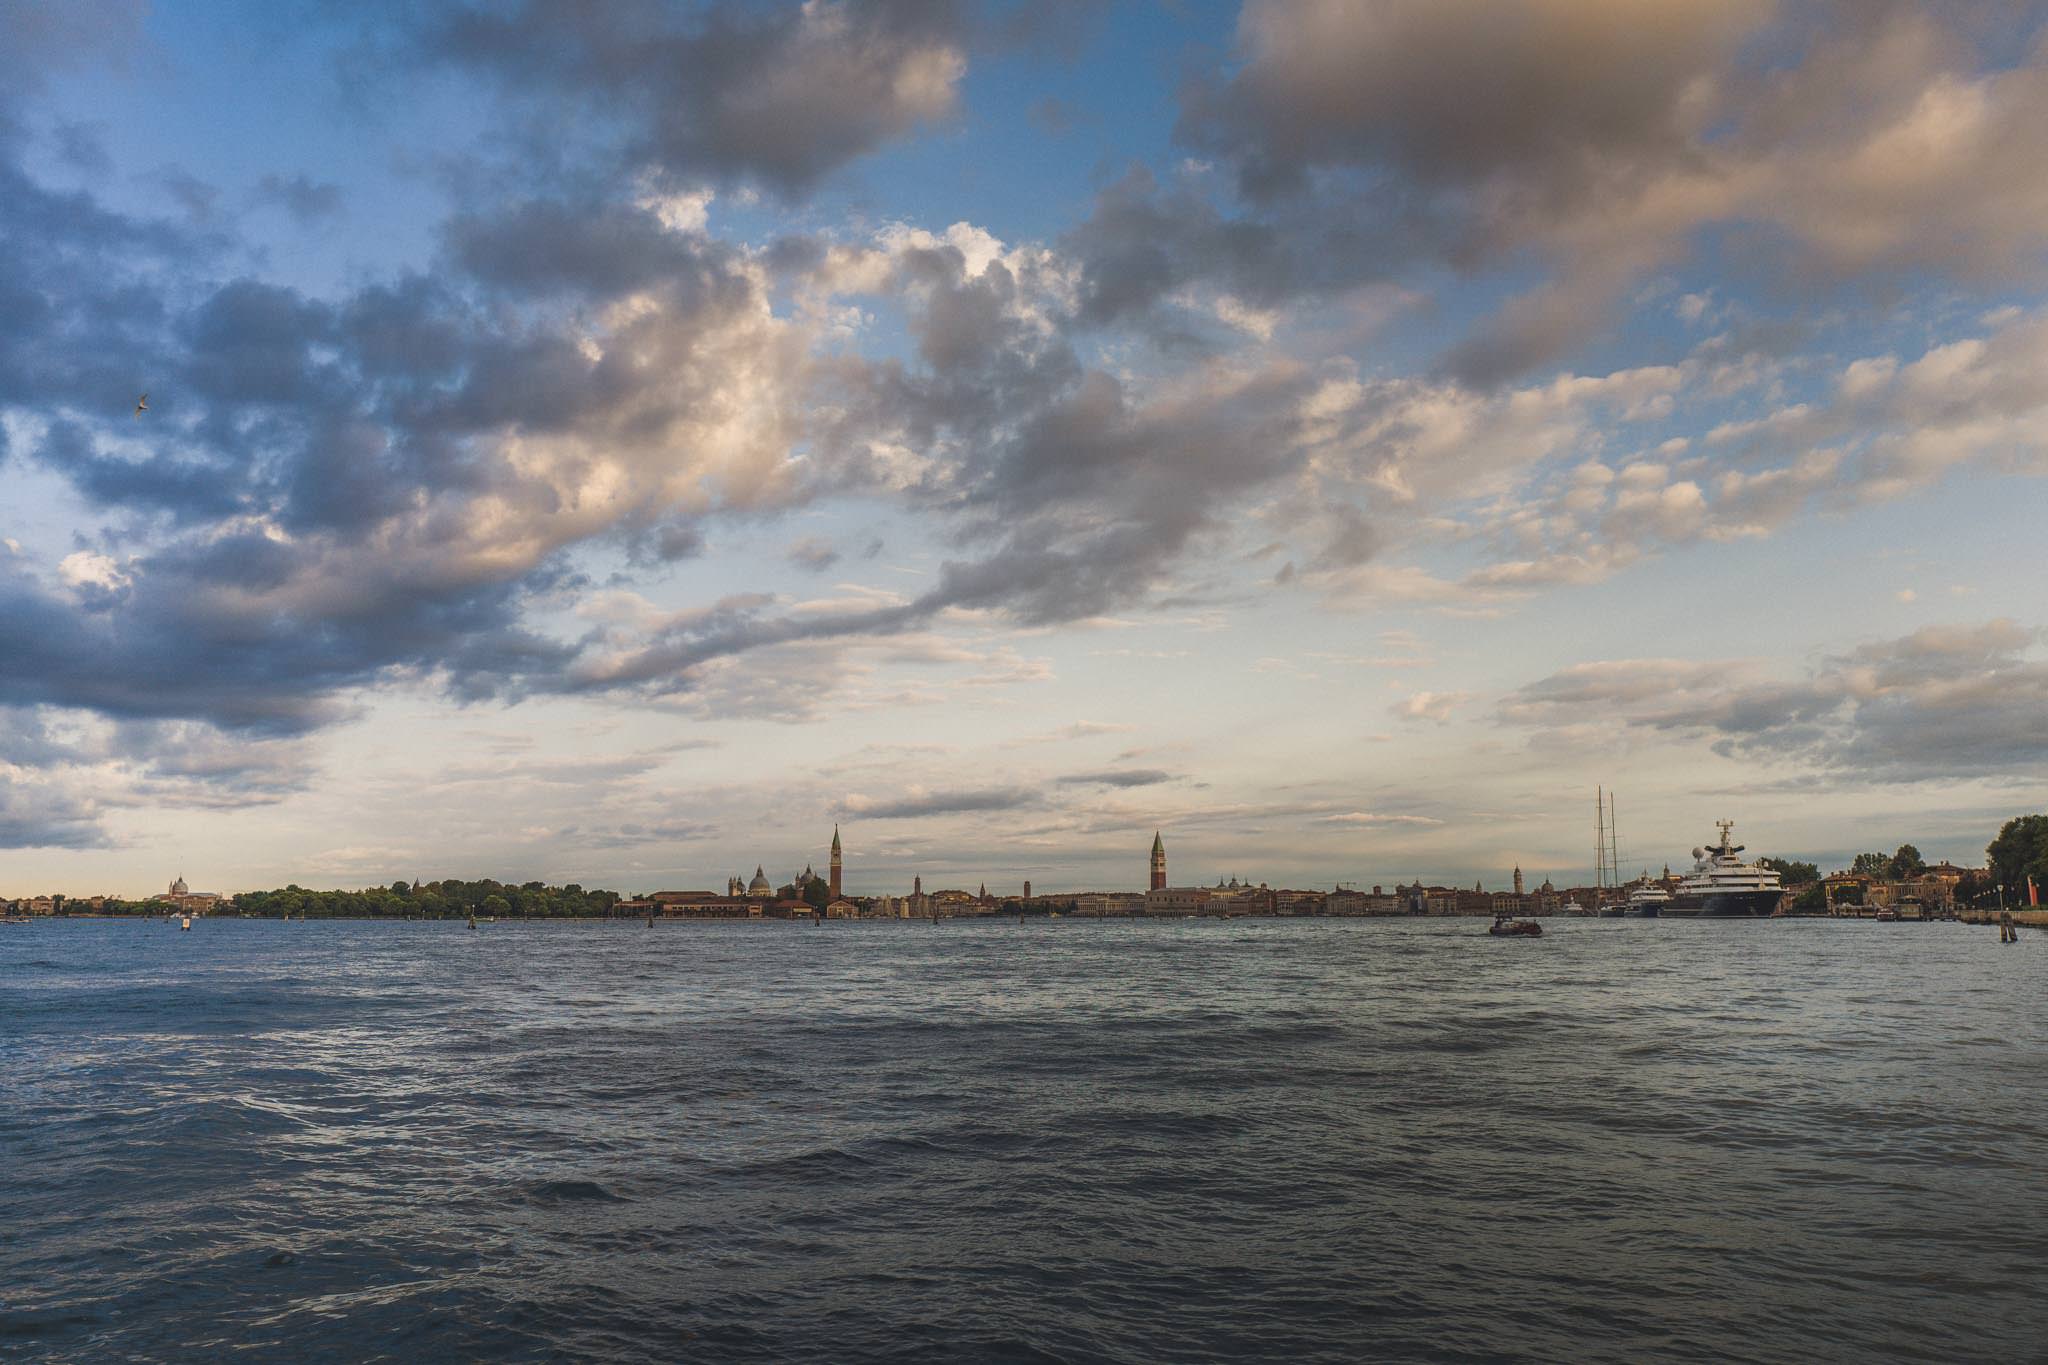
x=835, y=862
x=1158, y=863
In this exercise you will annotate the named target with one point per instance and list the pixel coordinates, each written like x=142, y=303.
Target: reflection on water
x=1299, y=1141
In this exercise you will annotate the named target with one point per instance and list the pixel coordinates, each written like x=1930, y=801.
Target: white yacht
x=1646, y=900
x=1721, y=885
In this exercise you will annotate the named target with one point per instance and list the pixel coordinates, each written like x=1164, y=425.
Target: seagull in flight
x=142, y=405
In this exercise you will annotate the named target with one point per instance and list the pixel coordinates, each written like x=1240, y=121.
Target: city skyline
x=606, y=453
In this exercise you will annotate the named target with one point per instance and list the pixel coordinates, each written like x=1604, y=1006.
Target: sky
x=617, y=444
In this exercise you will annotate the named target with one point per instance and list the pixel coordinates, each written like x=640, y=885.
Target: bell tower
x=1158, y=862
x=835, y=862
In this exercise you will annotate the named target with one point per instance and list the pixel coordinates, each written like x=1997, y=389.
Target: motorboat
x=1503, y=927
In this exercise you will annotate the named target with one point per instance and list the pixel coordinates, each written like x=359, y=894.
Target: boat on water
x=1647, y=900
x=1503, y=927
x=1614, y=911
x=1574, y=908
x=1887, y=917
x=1722, y=886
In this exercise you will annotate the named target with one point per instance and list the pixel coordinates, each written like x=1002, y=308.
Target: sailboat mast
x=1613, y=846
x=1599, y=843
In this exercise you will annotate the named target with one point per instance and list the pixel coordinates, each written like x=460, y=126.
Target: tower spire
x=1158, y=862
x=835, y=862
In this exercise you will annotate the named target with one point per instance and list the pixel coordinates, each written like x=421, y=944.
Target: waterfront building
x=184, y=900
x=758, y=888
x=1299, y=902
x=703, y=905
x=1175, y=900
x=1109, y=904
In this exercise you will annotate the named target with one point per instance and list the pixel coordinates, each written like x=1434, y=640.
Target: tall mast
x=1599, y=842
x=1613, y=846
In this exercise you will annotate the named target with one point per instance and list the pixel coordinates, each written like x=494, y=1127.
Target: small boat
x=1503, y=927
x=1887, y=917
x=185, y=923
x=1574, y=908
x=1646, y=899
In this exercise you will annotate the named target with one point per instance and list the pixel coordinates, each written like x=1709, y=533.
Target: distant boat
x=1574, y=908
x=1646, y=900
x=1886, y=917
x=1503, y=927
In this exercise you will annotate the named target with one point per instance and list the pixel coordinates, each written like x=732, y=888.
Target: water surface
x=1073, y=1141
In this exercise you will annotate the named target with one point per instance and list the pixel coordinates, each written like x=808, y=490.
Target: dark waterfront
x=1246, y=1140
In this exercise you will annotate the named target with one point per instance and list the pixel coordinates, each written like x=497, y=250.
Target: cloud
x=41, y=815
x=1372, y=818
x=1436, y=706
x=1945, y=702
x=813, y=553
x=922, y=802
x=308, y=201
x=1866, y=141
x=1118, y=777
x=784, y=95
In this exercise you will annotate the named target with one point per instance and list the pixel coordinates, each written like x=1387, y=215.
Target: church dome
x=759, y=886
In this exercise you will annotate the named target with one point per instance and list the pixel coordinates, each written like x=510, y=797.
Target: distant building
x=1175, y=900
x=703, y=905
x=1158, y=862
x=835, y=863
x=181, y=898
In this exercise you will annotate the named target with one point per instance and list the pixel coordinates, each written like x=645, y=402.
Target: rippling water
x=1283, y=1140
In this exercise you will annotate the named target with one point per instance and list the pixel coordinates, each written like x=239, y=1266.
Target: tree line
x=402, y=900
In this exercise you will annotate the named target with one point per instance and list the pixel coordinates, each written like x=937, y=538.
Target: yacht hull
x=1722, y=904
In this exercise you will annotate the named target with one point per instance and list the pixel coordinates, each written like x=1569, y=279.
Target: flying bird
x=142, y=405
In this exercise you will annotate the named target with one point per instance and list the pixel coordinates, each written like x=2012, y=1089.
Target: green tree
x=1791, y=873
x=2020, y=851
x=495, y=905
x=1872, y=865
x=817, y=893
x=1907, y=863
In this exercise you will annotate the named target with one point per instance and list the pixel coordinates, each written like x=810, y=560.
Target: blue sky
x=615, y=445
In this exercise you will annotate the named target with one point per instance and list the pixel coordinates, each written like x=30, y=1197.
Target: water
x=1242, y=1140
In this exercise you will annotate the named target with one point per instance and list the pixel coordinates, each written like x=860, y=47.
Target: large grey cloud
x=1461, y=91
x=782, y=94
x=1852, y=139
x=1945, y=702
x=37, y=815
